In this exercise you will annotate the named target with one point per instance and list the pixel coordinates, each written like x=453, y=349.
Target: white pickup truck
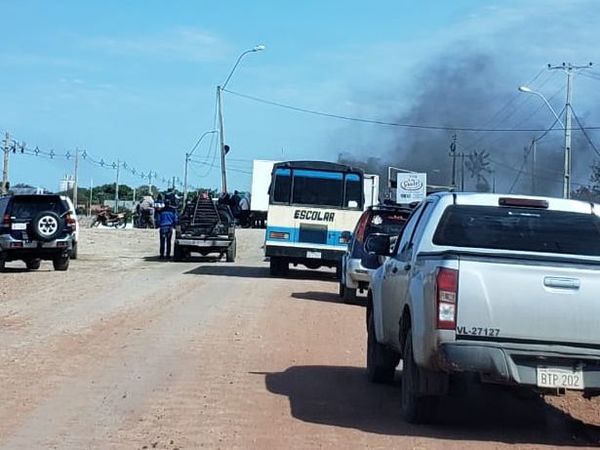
x=505, y=287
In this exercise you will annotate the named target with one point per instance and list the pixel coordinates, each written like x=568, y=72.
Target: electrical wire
x=585, y=132
x=391, y=124
x=530, y=149
x=23, y=149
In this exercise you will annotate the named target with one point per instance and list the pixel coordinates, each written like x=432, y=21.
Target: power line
x=530, y=149
x=515, y=96
x=23, y=149
x=585, y=132
x=392, y=124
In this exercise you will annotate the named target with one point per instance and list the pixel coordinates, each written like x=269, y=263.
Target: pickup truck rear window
x=521, y=229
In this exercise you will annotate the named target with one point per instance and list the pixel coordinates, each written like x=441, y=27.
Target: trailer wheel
x=231, y=251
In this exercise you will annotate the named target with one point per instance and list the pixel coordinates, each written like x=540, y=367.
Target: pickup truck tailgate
x=528, y=301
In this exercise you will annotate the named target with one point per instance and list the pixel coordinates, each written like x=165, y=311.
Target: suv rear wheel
x=74, y=251
x=2, y=263
x=33, y=264
x=61, y=263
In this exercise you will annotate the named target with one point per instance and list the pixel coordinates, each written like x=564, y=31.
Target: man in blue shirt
x=167, y=219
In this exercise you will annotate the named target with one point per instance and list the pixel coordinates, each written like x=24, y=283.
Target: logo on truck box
x=318, y=216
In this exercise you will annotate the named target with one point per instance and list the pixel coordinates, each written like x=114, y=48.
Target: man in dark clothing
x=167, y=219
x=235, y=204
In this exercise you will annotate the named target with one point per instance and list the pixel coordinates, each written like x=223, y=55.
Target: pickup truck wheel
x=338, y=271
x=61, y=263
x=33, y=264
x=381, y=361
x=178, y=253
x=231, y=251
x=416, y=408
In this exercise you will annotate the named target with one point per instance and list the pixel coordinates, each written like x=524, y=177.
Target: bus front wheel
x=278, y=267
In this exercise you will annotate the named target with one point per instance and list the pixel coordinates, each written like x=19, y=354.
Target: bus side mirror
x=378, y=244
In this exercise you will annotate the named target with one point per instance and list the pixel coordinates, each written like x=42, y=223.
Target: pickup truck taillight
x=446, y=294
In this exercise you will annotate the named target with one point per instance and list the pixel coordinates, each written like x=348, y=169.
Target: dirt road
x=127, y=352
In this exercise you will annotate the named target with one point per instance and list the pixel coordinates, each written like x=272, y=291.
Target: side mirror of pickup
x=378, y=244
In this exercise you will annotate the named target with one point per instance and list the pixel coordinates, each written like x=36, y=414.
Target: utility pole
x=75, y=178
x=533, y=164
x=569, y=69
x=453, y=156
x=185, y=177
x=222, y=140
x=150, y=183
x=6, y=149
x=91, y=194
x=117, y=187
x=462, y=171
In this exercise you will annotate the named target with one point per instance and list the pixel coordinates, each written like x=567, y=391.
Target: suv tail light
x=70, y=220
x=6, y=221
x=446, y=294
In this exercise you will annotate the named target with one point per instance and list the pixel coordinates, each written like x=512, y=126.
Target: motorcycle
x=143, y=219
x=109, y=219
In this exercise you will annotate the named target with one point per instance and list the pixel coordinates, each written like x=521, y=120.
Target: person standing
x=167, y=219
x=244, y=206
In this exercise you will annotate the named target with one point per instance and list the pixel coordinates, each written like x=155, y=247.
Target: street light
x=567, y=151
x=220, y=88
x=187, y=161
x=527, y=90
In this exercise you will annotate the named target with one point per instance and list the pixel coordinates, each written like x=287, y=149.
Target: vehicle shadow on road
x=327, y=297
x=234, y=270
x=190, y=259
x=23, y=270
x=341, y=396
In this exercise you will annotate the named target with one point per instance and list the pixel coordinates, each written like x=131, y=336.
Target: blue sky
x=135, y=80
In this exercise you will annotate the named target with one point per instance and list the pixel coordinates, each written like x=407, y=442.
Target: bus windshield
x=317, y=188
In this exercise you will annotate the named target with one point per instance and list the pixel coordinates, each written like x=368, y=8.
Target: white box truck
x=371, y=189
x=259, y=194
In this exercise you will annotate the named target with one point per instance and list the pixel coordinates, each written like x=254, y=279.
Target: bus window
x=354, y=191
x=316, y=187
x=282, y=186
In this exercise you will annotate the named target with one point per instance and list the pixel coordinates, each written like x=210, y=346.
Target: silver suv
x=35, y=228
x=357, y=264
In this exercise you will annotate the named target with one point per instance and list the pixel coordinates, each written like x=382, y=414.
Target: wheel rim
x=47, y=226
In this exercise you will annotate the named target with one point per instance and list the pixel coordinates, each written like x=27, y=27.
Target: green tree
x=591, y=192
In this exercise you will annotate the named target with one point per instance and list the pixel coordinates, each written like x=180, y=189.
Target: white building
x=66, y=184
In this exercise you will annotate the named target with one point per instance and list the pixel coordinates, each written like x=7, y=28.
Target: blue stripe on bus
x=319, y=174
x=333, y=236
